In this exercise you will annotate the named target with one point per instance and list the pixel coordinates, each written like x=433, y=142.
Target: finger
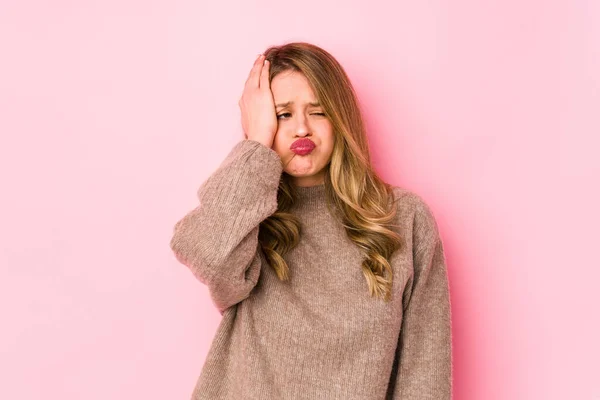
x=254, y=65
x=255, y=72
x=264, y=75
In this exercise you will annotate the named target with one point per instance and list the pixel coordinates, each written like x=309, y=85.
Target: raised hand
x=259, y=120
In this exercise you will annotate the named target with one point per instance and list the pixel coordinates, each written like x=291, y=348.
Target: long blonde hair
x=363, y=201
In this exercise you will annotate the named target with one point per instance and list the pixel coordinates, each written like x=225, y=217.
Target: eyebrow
x=315, y=104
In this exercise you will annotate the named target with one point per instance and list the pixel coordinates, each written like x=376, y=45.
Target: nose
x=302, y=126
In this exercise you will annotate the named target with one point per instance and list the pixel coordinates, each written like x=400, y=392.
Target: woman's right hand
x=259, y=119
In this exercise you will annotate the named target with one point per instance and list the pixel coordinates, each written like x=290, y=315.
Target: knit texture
x=319, y=335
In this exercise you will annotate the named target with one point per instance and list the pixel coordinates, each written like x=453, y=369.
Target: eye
x=288, y=114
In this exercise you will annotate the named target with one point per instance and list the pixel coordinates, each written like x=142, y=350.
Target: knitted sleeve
x=424, y=353
x=218, y=240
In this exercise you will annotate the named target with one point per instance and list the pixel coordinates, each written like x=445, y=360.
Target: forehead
x=292, y=86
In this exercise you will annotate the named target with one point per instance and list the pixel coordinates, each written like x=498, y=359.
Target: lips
x=303, y=146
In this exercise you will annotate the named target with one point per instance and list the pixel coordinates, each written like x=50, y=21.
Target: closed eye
x=281, y=115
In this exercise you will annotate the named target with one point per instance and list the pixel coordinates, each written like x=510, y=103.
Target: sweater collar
x=311, y=195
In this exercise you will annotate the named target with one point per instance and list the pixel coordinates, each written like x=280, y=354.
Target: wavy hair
x=362, y=201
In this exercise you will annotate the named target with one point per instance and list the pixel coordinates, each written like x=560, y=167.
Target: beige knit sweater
x=319, y=335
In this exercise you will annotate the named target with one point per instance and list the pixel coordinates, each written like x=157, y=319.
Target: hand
x=259, y=119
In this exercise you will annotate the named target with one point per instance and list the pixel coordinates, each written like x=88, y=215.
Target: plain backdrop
x=112, y=113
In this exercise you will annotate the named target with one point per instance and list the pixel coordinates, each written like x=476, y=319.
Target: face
x=299, y=119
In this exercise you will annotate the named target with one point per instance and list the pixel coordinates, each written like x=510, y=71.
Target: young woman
x=332, y=284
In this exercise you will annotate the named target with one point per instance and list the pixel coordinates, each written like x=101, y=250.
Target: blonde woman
x=332, y=284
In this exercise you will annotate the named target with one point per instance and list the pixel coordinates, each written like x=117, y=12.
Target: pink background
x=113, y=112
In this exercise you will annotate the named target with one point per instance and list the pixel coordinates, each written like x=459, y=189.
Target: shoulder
x=411, y=206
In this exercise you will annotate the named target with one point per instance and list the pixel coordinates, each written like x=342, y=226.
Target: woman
x=332, y=284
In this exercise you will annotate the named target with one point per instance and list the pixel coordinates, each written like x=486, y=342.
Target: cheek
x=278, y=142
x=280, y=146
x=328, y=139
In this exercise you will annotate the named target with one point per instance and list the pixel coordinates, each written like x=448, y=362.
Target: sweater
x=319, y=335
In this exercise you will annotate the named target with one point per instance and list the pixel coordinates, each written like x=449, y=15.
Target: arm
x=218, y=240
x=424, y=353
